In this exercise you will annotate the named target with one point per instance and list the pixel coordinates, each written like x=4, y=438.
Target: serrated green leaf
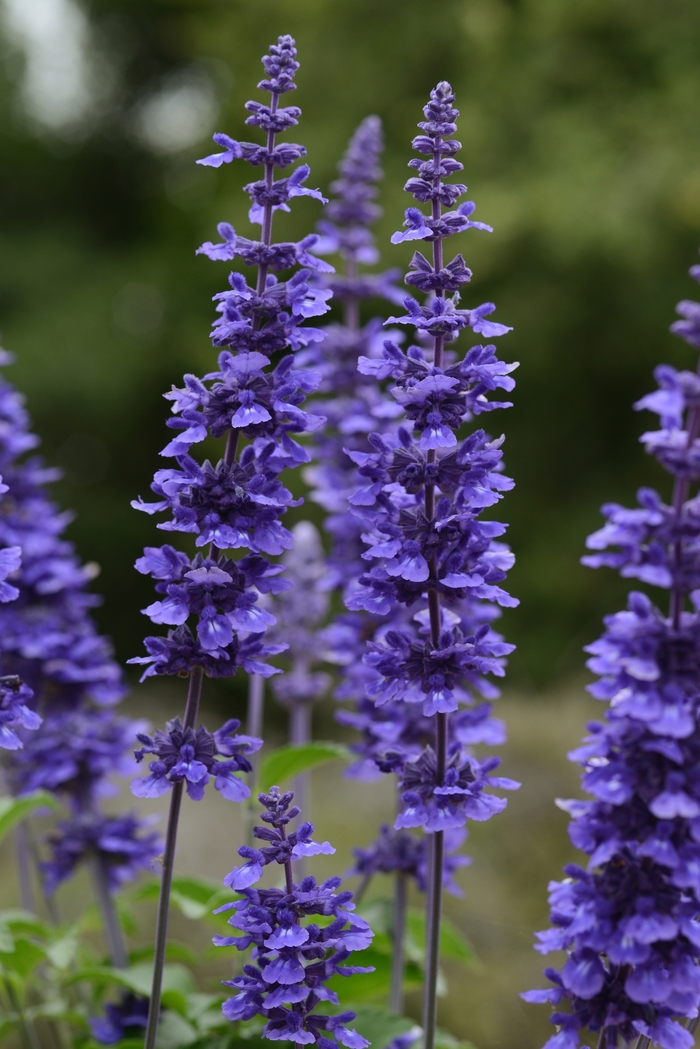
x=14, y=810
x=288, y=761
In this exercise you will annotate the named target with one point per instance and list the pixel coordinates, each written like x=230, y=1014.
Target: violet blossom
x=61, y=680
x=292, y=960
x=629, y=921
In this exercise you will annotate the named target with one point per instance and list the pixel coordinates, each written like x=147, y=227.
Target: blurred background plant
x=581, y=131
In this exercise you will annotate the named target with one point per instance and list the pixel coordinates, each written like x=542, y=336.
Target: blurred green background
x=581, y=132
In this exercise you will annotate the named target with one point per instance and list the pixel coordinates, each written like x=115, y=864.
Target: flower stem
x=194, y=694
x=29, y=1034
x=437, y=852
x=397, y=964
x=108, y=911
x=24, y=868
x=299, y=734
x=254, y=724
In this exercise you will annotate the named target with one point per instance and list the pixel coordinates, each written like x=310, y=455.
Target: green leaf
x=174, y=1031
x=379, y=1026
x=61, y=953
x=453, y=943
x=137, y=978
x=23, y=959
x=7, y=940
x=445, y=1040
x=14, y=810
x=194, y=897
x=24, y=921
x=289, y=761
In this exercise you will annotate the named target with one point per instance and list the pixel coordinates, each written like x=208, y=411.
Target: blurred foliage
x=581, y=131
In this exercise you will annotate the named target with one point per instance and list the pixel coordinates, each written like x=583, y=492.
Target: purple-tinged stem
x=254, y=725
x=399, y=934
x=289, y=883
x=194, y=694
x=437, y=852
x=108, y=912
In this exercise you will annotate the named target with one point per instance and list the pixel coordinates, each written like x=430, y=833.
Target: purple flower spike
x=293, y=959
x=628, y=923
x=59, y=679
x=192, y=756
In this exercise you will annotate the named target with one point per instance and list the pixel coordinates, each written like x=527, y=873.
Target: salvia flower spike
x=422, y=495
x=629, y=921
x=210, y=601
x=59, y=680
x=293, y=960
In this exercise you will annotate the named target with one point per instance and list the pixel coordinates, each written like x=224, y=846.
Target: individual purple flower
x=119, y=842
x=14, y=712
x=10, y=560
x=123, y=1019
x=399, y=852
x=629, y=922
x=293, y=959
x=195, y=757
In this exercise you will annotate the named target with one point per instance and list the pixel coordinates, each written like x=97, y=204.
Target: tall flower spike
x=57, y=668
x=421, y=499
x=629, y=922
x=293, y=959
x=253, y=404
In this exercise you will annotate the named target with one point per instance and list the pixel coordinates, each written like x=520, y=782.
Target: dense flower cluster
x=293, y=958
x=629, y=923
x=397, y=851
x=61, y=677
x=421, y=495
x=351, y=402
x=211, y=600
x=14, y=712
x=122, y=1019
x=195, y=757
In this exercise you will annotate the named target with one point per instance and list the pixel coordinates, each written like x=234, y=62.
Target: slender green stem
x=29, y=1035
x=24, y=868
x=194, y=693
x=397, y=962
